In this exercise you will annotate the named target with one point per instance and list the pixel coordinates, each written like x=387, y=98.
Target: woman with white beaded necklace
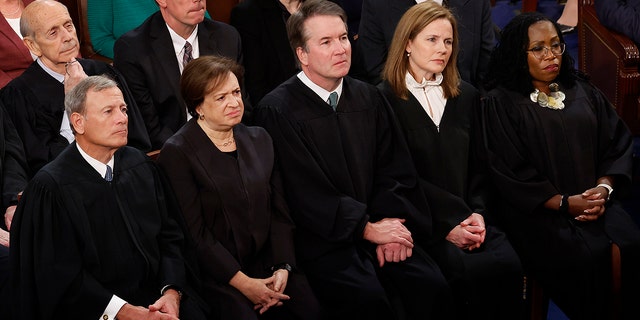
x=560, y=157
x=14, y=55
x=435, y=110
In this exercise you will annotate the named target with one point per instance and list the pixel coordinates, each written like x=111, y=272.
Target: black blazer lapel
x=163, y=52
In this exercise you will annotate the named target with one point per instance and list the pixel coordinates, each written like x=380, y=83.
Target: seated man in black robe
x=349, y=181
x=93, y=236
x=35, y=100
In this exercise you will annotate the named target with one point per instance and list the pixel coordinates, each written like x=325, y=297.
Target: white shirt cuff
x=115, y=304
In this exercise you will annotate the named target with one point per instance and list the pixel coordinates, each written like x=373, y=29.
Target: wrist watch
x=609, y=189
x=284, y=266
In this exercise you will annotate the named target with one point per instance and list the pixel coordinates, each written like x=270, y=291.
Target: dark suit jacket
x=238, y=220
x=475, y=28
x=268, y=58
x=622, y=16
x=14, y=55
x=146, y=58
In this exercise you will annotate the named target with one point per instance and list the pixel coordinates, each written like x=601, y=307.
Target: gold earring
x=201, y=116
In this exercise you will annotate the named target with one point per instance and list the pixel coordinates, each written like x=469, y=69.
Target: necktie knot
x=109, y=175
x=333, y=100
x=187, y=56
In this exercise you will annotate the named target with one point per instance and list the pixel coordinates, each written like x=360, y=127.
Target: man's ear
x=77, y=121
x=303, y=56
x=32, y=46
x=162, y=3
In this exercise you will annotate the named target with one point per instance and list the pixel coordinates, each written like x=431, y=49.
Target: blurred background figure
x=268, y=59
x=109, y=19
x=14, y=55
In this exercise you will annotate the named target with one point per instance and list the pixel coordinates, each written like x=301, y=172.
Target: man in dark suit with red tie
x=152, y=56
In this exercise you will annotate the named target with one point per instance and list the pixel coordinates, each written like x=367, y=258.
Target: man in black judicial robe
x=35, y=100
x=349, y=181
x=93, y=236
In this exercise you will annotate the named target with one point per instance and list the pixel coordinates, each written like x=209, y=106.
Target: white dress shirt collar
x=324, y=94
x=100, y=167
x=178, y=45
x=55, y=75
x=430, y=95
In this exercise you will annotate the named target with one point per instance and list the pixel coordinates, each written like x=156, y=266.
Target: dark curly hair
x=508, y=66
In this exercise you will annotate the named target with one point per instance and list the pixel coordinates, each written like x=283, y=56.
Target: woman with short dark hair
x=222, y=174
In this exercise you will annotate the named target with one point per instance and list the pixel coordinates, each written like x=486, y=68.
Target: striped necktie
x=186, y=57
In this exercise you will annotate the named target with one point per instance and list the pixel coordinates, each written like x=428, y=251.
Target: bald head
x=30, y=15
x=49, y=33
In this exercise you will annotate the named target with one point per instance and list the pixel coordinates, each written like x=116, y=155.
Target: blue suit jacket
x=622, y=16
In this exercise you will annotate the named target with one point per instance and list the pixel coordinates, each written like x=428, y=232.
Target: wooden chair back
x=612, y=61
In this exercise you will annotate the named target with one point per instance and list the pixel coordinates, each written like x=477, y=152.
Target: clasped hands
x=393, y=239
x=469, y=234
x=589, y=205
x=165, y=308
x=263, y=293
x=4, y=234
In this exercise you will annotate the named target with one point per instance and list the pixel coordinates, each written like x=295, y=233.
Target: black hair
x=508, y=66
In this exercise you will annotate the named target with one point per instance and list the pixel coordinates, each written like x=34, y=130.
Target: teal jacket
x=109, y=19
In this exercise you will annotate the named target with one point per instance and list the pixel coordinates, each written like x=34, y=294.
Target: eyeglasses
x=542, y=51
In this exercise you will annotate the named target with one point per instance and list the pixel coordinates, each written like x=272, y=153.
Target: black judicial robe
x=13, y=179
x=77, y=239
x=35, y=103
x=341, y=169
x=449, y=175
x=13, y=164
x=536, y=153
x=487, y=281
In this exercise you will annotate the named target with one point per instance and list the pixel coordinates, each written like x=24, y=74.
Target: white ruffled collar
x=411, y=82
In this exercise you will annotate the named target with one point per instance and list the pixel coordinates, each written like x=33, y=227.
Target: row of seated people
x=380, y=208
